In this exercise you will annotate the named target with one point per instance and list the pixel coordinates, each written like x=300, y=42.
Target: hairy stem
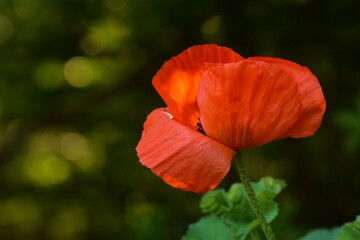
x=251, y=195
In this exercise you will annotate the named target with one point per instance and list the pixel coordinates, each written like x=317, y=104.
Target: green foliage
x=216, y=202
x=232, y=210
x=323, y=234
x=209, y=228
x=349, y=231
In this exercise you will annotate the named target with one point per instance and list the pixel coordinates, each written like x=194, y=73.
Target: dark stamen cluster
x=199, y=127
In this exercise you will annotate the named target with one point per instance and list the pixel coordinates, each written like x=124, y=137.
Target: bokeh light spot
x=77, y=148
x=138, y=210
x=49, y=75
x=26, y=8
x=45, y=171
x=211, y=25
x=78, y=72
x=68, y=223
x=95, y=41
x=22, y=214
x=74, y=146
x=43, y=143
x=115, y=5
x=6, y=29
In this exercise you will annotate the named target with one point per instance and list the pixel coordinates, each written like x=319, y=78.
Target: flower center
x=199, y=127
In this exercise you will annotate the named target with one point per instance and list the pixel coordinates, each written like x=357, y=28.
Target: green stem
x=255, y=235
x=251, y=195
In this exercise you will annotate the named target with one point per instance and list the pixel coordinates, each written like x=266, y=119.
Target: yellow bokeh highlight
x=22, y=214
x=115, y=5
x=68, y=224
x=78, y=72
x=211, y=25
x=49, y=75
x=44, y=143
x=107, y=35
x=95, y=41
x=45, y=171
x=6, y=29
x=26, y=8
x=138, y=210
x=52, y=157
x=74, y=146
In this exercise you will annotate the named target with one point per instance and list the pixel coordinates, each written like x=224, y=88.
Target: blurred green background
x=75, y=89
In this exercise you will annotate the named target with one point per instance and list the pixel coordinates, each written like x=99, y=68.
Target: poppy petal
x=311, y=96
x=247, y=104
x=178, y=79
x=183, y=157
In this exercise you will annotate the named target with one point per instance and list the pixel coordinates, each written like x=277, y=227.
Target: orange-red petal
x=178, y=79
x=181, y=156
x=247, y=104
x=311, y=96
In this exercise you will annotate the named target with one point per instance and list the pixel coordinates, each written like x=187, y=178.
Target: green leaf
x=242, y=217
x=350, y=231
x=235, y=193
x=232, y=212
x=209, y=228
x=215, y=202
x=322, y=234
x=266, y=190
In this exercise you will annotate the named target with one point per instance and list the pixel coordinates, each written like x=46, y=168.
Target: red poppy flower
x=219, y=103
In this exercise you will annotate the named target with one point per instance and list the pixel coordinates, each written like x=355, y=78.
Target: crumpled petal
x=178, y=79
x=247, y=104
x=181, y=156
x=311, y=96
